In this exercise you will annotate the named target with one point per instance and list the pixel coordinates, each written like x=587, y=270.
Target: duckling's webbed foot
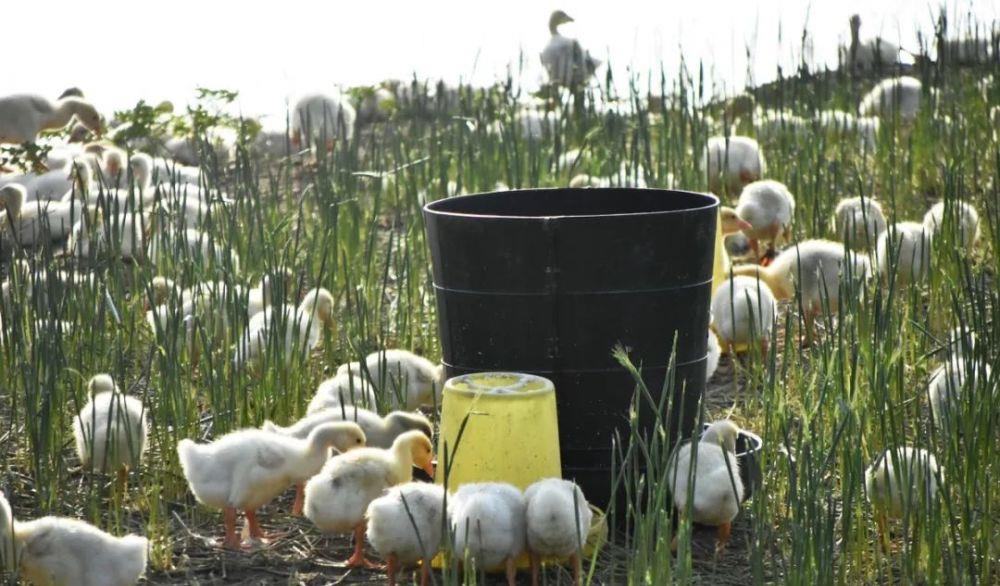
x=232, y=540
x=722, y=537
x=511, y=568
x=358, y=559
x=300, y=500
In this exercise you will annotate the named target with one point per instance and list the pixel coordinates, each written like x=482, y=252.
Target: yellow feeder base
x=720, y=267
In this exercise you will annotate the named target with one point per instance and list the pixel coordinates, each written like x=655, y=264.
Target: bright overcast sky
x=123, y=50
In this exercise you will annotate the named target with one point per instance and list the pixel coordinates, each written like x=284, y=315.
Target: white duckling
x=584, y=181
x=949, y=382
x=743, y=312
x=23, y=116
x=110, y=431
x=489, y=525
x=342, y=389
x=302, y=327
x=337, y=497
x=815, y=271
x=900, y=481
x=261, y=296
x=858, y=221
x=191, y=243
x=894, y=96
x=732, y=162
x=412, y=381
x=566, y=62
x=714, y=352
x=167, y=173
x=558, y=521
x=247, y=469
x=405, y=527
x=55, y=551
x=125, y=235
x=380, y=432
x=871, y=54
x=323, y=119
x=904, y=248
x=957, y=216
x=769, y=208
x=57, y=183
x=717, y=489
x=959, y=343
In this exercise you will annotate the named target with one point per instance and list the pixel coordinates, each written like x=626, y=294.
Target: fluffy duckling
x=814, y=270
x=962, y=216
x=246, y=469
x=23, y=116
x=323, y=119
x=871, y=54
x=897, y=95
x=489, y=524
x=584, y=181
x=712, y=355
x=342, y=389
x=743, y=312
x=949, y=381
x=192, y=243
x=402, y=374
x=731, y=221
x=859, y=221
x=405, y=527
x=769, y=208
x=905, y=248
x=30, y=223
x=732, y=162
x=566, y=62
x=901, y=480
x=337, y=497
x=302, y=327
x=558, y=520
x=262, y=295
x=959, y=342
x=75, y=176
x=55, y=551
x=380, y=432
x=717, y=487
x=110, y=431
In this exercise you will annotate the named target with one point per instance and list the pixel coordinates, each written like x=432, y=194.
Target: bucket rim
x=431, y=208
x=548, y=388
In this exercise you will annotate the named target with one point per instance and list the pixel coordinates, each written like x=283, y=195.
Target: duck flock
x=93, y=197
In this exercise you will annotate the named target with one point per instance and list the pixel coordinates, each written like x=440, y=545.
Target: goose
x=248, y=468
x=175, y=175
x=743, y=312
x=732, y=162
x=949, y=382
x=35, y=222
x=489, y=526
x=337, y=497
x=380, y=432
x=769, y=207
x=712, y=355
x=324, y=118
x=411, y=380
x=405, y=527
x=900, y=481
x=302, y=327
x=342, y=389
x=905, y=249
x=871, y=54
x=894, y=96
x=261, y=296
x=716, y=489
x=23, y=116
x=814, y=271
x=175, y=314
x=731, y=221
x=111, y=429
x=566, y=62
x=958, y=217
x=557, y=519
x=772, y=124
x=859, y=221
x=55, y=551
x=56, y=183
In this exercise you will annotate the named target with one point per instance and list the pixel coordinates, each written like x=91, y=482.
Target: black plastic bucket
x=548, y=281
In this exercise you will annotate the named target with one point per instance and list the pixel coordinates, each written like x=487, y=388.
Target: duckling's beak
x=743, y=225
x=428, y=467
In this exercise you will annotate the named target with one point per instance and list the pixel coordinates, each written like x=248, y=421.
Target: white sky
x=119, y=51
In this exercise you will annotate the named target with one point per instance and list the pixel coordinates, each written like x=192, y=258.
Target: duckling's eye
x=358, y=441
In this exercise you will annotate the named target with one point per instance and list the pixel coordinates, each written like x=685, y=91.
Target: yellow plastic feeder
x=719, y=268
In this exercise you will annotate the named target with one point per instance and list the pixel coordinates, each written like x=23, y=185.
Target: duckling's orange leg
x=391, y=566
x=883, y=531
x=722, y=537
x=122, y=479
x=425, y=572
x=535, y=567
x=357, y=559
x=511, y=572
x=577, y=563
x=764, y=346
x=256, y=531
x=232, y=540
x=300, y=500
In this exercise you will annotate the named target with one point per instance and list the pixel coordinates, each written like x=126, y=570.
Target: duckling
x=731, y=221
x=814, y=270
x=323, y=119
x=261, y=295
x=558, y=521
x=566, y=62
x=712, y=355
x=412, y=380
x=732, y=162
x=743, y=311
x=342, y=389
x=110, y=431
x=905, y=249
x=57, y=183
x=901, y=480
x=489, y=524
x=380, y=432
x=948, y=383
x=583, y=181
x=859, y=221
x=246, y=469
x=337, y=497
x=959, y=342
x=192, y=243
x=769, y=208
x=302, y=325
x=871, y=54
x=23, y=116
x=55, y=551
x=959, y=214
x=896, y=95
x=716, y=484
x=405, y=527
